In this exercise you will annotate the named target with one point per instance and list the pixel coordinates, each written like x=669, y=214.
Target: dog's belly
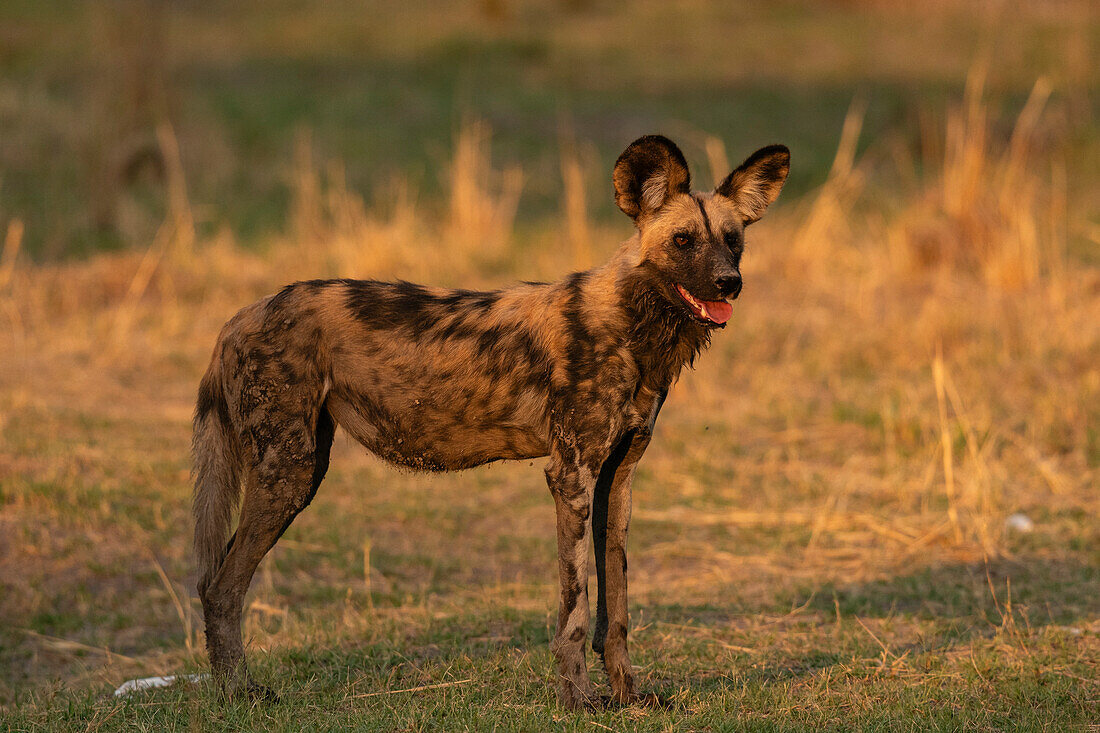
x=424, y=436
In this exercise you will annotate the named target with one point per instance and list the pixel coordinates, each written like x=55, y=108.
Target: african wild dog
x=442, y=380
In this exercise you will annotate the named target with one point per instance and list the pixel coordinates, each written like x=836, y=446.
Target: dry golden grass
x=892, y=386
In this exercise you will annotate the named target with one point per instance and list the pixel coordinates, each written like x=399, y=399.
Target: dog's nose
x=729, y=285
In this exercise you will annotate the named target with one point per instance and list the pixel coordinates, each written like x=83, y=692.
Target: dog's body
x=441, y=380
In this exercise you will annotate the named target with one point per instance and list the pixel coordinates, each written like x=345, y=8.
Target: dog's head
x=691, y=242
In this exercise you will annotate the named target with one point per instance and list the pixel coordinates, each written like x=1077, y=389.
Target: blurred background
x=894, y=446
x=385, y=88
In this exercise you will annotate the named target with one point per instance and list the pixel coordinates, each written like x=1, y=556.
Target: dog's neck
x=660, y=334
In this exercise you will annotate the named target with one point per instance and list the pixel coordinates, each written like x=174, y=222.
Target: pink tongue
x=719, y=311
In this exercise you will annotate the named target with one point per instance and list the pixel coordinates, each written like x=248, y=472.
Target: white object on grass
x=1020, y=522
x=151, y=683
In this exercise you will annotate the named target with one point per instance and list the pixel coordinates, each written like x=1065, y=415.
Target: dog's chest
x=635, y=404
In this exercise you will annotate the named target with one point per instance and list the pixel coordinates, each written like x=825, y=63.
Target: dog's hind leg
x=284, y=483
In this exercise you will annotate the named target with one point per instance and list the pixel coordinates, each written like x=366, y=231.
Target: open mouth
x=711, y=312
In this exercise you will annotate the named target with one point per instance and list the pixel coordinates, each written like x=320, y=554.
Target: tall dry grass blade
x=483, y=203
x=1017, y=181
x=826, y=228
x=844, y=160
x=184, y=612
x=124, y=316
x=367, y=586
x=13, y=241
x=1055, y=481
x=945, y=444
x=985, y=481
x=885, y=650
x=307, y=212
x=965, y=149
x=1020, y=144
x=175, y=235
x=890, y=433
x=68, y=646
x=1057, y=235
x=179, y=204
x=577, y=227
x=717, y=160
x=418, y=688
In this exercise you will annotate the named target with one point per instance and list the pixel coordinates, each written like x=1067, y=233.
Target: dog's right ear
x=647, y=173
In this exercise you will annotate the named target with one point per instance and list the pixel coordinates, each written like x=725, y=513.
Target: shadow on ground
x=962, y=603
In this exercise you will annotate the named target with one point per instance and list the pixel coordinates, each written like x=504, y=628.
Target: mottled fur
x=442, y=380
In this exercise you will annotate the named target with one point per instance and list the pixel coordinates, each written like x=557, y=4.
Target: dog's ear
x=647, y=173
x=757, y=182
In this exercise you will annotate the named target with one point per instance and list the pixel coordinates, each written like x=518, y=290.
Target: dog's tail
x=216, y=471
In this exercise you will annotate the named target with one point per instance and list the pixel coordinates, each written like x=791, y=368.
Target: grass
x=801, y=669
x=819, y=535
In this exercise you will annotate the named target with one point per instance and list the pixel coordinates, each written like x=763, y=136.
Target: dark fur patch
x=706, y=219
x=326, y=431
x=208, y=397
x=580, y=343
x=407, y=305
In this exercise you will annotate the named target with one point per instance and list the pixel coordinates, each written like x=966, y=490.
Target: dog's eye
x=733, y=240
x=682, y=239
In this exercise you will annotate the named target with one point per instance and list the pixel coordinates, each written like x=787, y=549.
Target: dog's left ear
x=757, y=182
x=647, y=173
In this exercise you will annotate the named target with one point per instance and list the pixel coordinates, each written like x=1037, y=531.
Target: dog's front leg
x=610, y=521
x=571, y=480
